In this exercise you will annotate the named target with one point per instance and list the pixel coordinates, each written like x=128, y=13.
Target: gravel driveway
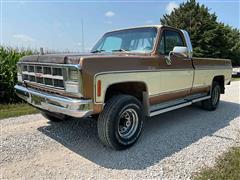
x=173, y=145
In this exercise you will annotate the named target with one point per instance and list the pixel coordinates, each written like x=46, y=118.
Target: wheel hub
x=128, y=123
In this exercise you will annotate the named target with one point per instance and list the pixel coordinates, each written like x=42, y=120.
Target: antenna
x=82, y=38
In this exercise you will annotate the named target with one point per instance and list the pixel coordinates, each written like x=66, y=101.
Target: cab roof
x=154, y=26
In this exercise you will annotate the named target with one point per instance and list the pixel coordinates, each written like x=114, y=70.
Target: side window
x=162, y=44
x=172, y=39
x=169, y=40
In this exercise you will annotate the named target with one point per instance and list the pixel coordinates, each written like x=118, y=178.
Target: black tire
x=55, y=117
x=212, y=103
x=95, y=116
x=121, y=121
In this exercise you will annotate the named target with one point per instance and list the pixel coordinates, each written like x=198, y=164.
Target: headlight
x=73, y=75
x=19, y=77
x=72, y=79
x=71, y=87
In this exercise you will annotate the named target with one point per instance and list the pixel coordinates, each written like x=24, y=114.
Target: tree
x=209, y=37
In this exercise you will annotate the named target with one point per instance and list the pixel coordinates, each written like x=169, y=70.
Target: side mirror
x=181, y=50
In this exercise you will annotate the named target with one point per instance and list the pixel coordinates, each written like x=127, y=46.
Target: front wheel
x=212, y=103
x=120, y=123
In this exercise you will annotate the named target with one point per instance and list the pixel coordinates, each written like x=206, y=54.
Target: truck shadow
x=163, y=136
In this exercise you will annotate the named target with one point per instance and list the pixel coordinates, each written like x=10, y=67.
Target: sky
x=57, y=24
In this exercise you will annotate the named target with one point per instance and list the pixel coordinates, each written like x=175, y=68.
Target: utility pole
x=82, y=38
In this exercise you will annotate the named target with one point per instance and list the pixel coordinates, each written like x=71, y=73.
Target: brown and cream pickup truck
x=129, y=74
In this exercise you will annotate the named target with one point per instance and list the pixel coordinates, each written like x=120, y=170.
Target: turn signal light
x=99, y=84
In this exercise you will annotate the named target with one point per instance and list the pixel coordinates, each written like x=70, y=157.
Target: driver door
x=176, y=71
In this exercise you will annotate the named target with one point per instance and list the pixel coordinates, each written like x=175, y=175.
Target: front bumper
x=54, y=103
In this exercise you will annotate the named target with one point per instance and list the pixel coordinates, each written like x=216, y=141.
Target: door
x=176, y=71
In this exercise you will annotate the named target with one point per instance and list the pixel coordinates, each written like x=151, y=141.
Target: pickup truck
x=129, y=74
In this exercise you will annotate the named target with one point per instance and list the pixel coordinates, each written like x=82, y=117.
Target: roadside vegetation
x=10, y=104
x=227, y=167
x=14, y=110
x=236, y=79
x=8, y=72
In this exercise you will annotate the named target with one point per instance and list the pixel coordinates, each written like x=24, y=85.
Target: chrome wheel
x=128, y=123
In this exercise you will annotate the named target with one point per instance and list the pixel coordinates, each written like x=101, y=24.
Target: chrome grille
x=43, y=74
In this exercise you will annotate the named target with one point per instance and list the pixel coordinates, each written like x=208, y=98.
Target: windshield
x=133, y=40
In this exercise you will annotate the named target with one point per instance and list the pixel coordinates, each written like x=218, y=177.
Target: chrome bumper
x=53, y=103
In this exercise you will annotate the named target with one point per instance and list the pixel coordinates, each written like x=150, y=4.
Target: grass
x=236, y=79
x=14, y=110
x=227, y=167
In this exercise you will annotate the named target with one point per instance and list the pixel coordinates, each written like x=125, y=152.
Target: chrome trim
x=53, y=103
x=160, y=111
x=169, y=109
x=52, y=64
x=147, y=70
x=43, y=75
x=36, y=85
x=188, y=42
x=200, y=99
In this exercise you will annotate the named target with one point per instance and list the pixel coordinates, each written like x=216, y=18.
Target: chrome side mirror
x=180, y=51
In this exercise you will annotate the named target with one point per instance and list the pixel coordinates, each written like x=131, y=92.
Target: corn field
x=8, y=72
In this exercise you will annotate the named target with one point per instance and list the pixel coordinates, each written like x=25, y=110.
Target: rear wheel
x=55, y=117
x=121, y=121
x=212, y=103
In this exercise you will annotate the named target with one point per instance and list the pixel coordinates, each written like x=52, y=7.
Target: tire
x=212, y=103
x=55, y=117
x=95, y=116
x=121, y=122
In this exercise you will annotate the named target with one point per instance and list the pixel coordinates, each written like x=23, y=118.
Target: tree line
x=209, y=37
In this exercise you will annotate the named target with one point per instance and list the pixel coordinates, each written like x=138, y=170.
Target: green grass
x=14, y=110
x=236, y=79
x=227, y=167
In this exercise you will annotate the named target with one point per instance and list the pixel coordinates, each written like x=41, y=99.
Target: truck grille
x=43, y=74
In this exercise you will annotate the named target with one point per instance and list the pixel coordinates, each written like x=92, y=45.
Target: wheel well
x=220, y=80
x=135, y=89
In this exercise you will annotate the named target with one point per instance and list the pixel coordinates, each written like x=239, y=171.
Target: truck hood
x=72, y=58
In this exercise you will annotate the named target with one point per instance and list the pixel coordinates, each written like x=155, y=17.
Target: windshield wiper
x=97, y=51
x=119, y=50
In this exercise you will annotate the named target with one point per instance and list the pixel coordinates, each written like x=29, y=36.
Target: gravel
x=174, y=145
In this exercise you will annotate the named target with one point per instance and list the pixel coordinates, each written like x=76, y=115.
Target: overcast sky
x=57, y=25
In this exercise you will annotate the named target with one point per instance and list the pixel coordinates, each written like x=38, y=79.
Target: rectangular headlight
x=19, y=77
x=73, y=75
x=71, y=87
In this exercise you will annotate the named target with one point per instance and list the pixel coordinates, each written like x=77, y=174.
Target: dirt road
x=173, y=145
